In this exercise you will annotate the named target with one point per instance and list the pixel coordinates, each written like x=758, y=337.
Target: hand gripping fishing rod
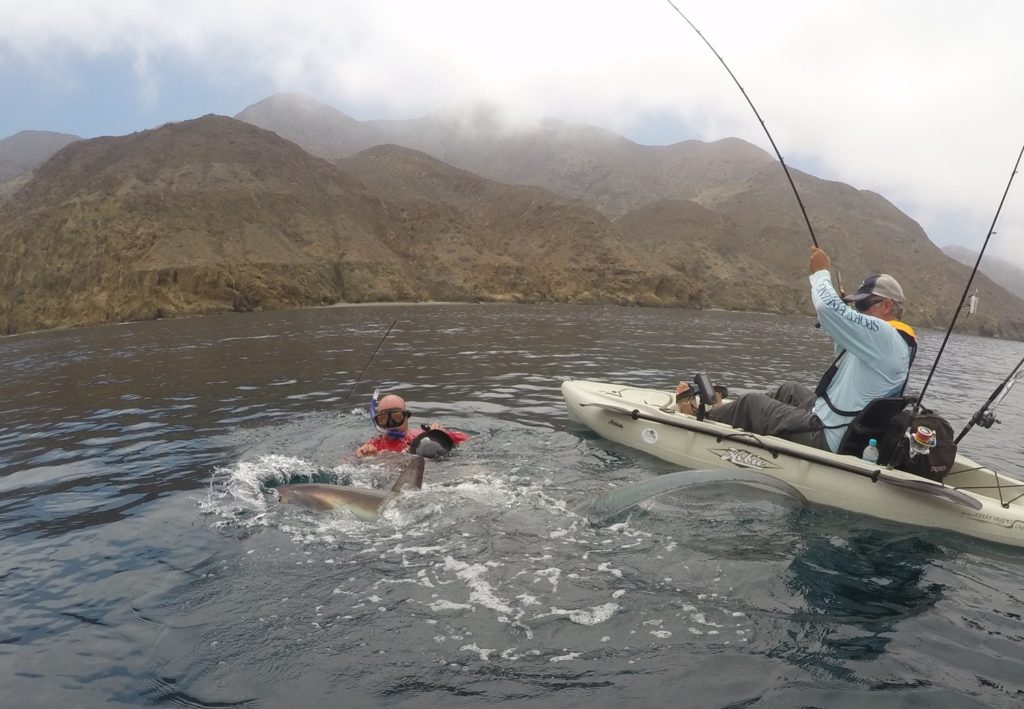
x=750, y=103
x=984, y=415
x=963, y=299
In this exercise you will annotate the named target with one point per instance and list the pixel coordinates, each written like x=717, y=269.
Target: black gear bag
x=894, y=447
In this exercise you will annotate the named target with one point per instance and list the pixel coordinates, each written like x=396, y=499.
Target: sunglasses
x=392, y=418
x=866, y=304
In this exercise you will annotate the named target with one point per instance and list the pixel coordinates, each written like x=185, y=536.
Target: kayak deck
x=973, y=499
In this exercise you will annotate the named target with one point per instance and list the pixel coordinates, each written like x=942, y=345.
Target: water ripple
x=145, y=560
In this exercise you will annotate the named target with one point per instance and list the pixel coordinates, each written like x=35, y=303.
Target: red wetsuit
x=401, y=445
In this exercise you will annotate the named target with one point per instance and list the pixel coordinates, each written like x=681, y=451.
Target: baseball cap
x=880, y=284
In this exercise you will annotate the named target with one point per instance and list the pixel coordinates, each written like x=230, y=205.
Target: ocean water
x=145, y=562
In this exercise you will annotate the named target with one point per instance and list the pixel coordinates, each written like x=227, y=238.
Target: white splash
x=590, y=616
x=484, y=653
x=480, y=591
x=551, y=575
x=565, y=658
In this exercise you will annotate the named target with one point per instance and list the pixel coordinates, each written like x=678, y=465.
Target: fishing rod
x=985, y=416
x=365, y=366
x=967, y=288
x=771, y=140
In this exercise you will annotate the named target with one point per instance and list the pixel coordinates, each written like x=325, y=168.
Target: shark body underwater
x=363, y=502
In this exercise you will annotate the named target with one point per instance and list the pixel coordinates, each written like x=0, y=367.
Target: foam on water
x=430, y=571
x=485, y=586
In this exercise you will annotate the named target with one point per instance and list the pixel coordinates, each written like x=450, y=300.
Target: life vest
x=395, y=444
x=392, y=443
x=905, y=331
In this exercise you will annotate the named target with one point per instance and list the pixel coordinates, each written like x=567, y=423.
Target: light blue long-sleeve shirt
x=875, y=365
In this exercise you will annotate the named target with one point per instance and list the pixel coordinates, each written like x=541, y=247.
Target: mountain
x=215, y=214
x=607, y=171
x=317, y=128
x=501, y=242
x=186, y=218
x=759, y=247
x=24, y=151
x=1005, y=274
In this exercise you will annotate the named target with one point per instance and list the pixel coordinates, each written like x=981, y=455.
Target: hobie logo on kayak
x=744, y=459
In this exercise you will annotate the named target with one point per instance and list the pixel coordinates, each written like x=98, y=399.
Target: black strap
x=828, y=376
x=826, y=379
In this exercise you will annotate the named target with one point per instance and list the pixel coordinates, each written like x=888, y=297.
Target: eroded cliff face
x=214, y=215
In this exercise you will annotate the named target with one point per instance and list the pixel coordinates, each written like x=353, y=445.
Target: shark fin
x=411, y=476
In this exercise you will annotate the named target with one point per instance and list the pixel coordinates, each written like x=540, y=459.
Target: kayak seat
x=872, y=422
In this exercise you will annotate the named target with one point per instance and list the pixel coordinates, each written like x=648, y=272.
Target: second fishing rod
x=810, y=228
x=916, y=400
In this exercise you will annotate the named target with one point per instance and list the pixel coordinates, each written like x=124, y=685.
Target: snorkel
x=373, y=410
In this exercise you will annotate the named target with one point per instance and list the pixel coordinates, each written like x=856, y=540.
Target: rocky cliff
x=751, y=237
x=215, y=214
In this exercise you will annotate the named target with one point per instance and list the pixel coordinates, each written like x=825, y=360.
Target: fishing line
x=967, y=288
x=778, y=154
x=365, y=366
x=814, y=240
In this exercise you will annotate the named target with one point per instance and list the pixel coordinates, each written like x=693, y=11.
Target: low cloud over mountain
x=314, y=207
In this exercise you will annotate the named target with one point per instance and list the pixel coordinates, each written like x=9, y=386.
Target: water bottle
x=870, y=453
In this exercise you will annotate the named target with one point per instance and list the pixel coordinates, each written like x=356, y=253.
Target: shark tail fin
x=605, y=507
x=411, y=475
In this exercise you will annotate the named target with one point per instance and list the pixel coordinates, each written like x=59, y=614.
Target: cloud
x=916, y=100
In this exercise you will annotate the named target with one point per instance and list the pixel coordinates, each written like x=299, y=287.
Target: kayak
x=971, y=499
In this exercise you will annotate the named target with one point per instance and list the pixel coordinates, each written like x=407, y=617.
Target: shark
x=605, y=507
x=363, y=502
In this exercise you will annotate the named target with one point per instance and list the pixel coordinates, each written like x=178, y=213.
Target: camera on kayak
x=705, y=389
x=706, y=393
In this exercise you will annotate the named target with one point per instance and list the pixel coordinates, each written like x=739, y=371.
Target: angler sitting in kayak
x=391, y=419
x=874, y=353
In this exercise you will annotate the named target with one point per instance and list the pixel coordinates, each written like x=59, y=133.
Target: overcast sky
x=921, y=101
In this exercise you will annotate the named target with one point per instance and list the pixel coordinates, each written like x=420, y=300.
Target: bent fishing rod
x=366, y=366
x=1006, y=385
x=967, y=290
x=760, y=120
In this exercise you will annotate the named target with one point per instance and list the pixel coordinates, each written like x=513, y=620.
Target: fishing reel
x=922, y=440
x=985, y=419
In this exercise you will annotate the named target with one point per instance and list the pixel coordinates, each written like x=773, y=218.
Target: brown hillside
x=605, y=170
x=700, y=245
x=493, y=239
x=758, y=258
x=1005, y=274
x=864, y=234
x=192, y=217
x=23, y=152
x=215, y=214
